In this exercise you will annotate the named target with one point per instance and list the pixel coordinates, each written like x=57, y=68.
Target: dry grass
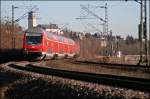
x=6, y=36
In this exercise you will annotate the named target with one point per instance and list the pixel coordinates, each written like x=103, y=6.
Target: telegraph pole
x=106, y=19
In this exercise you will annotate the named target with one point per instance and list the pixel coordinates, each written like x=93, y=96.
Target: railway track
x=119, y=81
x=114, y=65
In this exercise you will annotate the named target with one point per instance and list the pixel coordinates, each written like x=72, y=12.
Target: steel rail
x=114, y=65
x=118, y=81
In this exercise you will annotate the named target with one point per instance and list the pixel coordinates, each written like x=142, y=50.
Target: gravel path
x=6, y=79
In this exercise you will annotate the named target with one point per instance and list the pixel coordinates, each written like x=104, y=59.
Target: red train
x=40, y=43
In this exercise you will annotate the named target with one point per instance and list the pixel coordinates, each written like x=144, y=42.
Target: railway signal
x=144, y=30
x=139, y=31
x=143, y=34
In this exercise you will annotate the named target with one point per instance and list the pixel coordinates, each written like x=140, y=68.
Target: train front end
x=33, y=44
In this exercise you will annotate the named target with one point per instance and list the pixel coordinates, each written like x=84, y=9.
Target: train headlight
x=25, y=49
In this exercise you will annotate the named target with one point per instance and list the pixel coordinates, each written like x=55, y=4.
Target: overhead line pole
x=141, y=34
x=145, y=29
x=106, y=19
x=149, y=33
x=0, y=29
x=13, y=36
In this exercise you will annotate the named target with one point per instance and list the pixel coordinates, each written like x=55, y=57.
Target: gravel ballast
x=38, y=86
x=95, y=68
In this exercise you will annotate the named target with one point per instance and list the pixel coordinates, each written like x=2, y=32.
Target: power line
x=117, y=4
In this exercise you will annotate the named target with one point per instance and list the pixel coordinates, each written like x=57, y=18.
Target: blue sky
x=123, y=16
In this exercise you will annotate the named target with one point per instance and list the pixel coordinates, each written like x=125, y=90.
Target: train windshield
x=33, y=39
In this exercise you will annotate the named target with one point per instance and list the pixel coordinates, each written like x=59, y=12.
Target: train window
x=46, y=43
x=65, y=40
x=61, y=39
x=70, y=41
x=33, y=38
x=61, y=50
x=33, y=34
x=49, y=50
x=55, y=37
x=50, y=36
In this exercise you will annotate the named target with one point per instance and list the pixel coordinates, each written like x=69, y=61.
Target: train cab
x=33, y=42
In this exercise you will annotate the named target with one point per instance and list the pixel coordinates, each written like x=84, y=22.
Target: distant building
x=103, y=42
x=52, y=28
x=31, y=20
x=119, y=54
x=81, y=36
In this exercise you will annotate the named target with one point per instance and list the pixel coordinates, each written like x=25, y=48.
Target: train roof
x=59, y=38
x=50, y=35
x=35, y=30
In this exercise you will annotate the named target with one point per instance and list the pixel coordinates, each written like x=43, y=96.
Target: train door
x=61, y=49
x=52, y=47
x=56, y=47
x=45, y=43
x=65, y=48
x=49, y=47
x=68, y=49
x=71, y=49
